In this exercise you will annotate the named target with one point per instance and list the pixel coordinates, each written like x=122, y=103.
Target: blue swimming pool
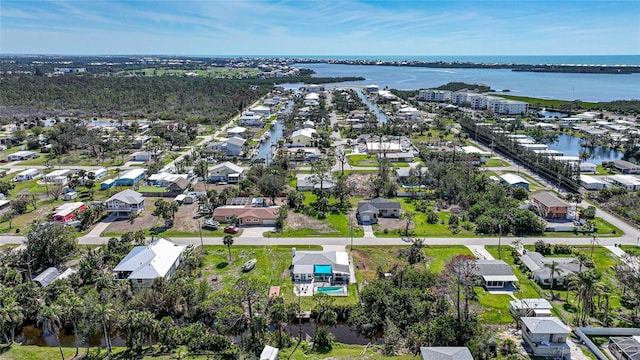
x=332, y=290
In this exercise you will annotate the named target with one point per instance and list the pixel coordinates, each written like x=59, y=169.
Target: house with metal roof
x=530, y=308
x=52, y=274
x=309, y=182
x=494, y=274
x=226, y=172
x=625, y=347
x=231, y=147
x=626, y=167
x=538, y=265
x=545, y=336
x=143, y=264
x=320, y=266
x=130, y=178
x=514, y=181
x=125, y=203
x=445, y=353
x=370, y=211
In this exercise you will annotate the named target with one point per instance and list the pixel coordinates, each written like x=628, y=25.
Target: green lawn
x=386, y=257
x=495, y=163
x=151, y=189
x=422, y=228
x=362, y=160
x=273, y=261
x=496, y=307
x=17, y=352
x=547, y=103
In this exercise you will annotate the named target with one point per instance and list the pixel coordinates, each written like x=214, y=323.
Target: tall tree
x=227, y=240
x=49, y=319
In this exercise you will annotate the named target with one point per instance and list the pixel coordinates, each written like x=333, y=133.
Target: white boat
x=249, y=265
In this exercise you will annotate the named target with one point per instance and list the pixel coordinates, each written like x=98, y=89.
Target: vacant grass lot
x=385, y=257
x=495, y=163
x=496, y=307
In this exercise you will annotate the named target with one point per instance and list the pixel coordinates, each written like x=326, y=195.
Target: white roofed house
x=58, y=177
x=237, y=131
x=226, y=172
x=231, y=147
x=494, y=274
x=545, y=336
x=303, y=137
x=125, y=203
x=143, y=264
x=530, y=308
x=514, y=181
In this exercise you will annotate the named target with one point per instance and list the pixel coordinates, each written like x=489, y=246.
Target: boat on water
x=249, y=265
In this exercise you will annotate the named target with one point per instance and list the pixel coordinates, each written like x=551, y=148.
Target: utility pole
x=499, y=240
x=201, y=241
x=351, y=235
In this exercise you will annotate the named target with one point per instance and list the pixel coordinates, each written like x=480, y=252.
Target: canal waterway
x=382, y=118
x=567, y=86
x=265, y=149
x=570, y=146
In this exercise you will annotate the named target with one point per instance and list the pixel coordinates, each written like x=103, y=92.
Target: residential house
x=27, y=175
x=125, y=203
x=625, y=347
x=403, y=173
x=551, y=207
x=628, y=182
x=626, y=167
x=232, y=146
x=530, y=308
x=246, y=201
x=405, y=157
x=320, y=266
x=165, y=179
x=250, y=118
x=143, y=264
x=22, y=155
x=592, y=183
x=588, y=167
x=247, y=215
x=139, y=141
x=303, y=137
x=237, y=131
x=178, y=186
x=52, y=274
x=58, y=177
x=309, y=182
x=514, y=181
x=97, y=174
x=545, y=336
x=384, y=147
x=107, y=184
x=370, y=211
x=130, y=178
x=539, y=266
x=445, y=353
x=68, y=212
x=142, y=156
x=261, y=110
x=494, y=274
x=69, y=195
x=226, y=172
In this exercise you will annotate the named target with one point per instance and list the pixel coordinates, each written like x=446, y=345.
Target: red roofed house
x=67, y=212
x=247, y=215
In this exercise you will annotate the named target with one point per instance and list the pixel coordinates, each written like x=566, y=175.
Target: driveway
x=368, y=231
x=100, y=227
x=480, y=252
x=255, y=231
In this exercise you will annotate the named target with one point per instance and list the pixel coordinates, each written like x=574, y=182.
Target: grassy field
x=496, y=307
x=272, y=269
x=386, y=257
x=338, y=352
x=547, y=103
x=422, y=228
x=495, y=163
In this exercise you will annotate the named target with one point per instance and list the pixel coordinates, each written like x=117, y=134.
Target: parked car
x=231, y=229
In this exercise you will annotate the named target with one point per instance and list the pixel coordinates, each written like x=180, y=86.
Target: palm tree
x=72, y=308
x=50, y=321
x=228, y=241
x=105, y=314
x=11, y=316
x=553, y=271
x=586, y=289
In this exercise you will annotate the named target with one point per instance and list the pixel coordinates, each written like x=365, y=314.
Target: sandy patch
x=297, y=221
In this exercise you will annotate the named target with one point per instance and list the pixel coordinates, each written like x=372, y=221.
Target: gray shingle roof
x=445, y=353
x=128, y=196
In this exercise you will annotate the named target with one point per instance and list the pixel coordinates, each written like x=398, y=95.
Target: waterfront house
x=320, y=266
x=226, y=172
x=588, y=167
x=538, y=266
x=237, y=131
x=551, y=206
x=445, y=353
x=626, y=167
x=514, y=181
x=370, y=211
x=250, y=118
x=494, y=274
x=130, y=178
x=125, y=203
x=261, y=110
x=143, y=264
x=231, y=147
x=545, y=336
x=303, y=137
x=592, y=183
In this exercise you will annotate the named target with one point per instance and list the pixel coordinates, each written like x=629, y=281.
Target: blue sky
x=320, y=27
